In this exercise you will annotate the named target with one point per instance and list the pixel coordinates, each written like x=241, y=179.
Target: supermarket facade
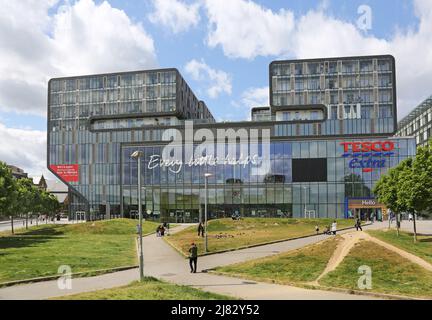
x=316, y=150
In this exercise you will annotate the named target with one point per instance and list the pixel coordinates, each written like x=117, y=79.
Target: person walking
x=358, y=225
x=200, y=230
x=193, y=257
x=316, y=229
x=334, y=227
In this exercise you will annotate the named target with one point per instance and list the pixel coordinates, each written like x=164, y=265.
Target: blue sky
x=230, y=47
x=175, y=50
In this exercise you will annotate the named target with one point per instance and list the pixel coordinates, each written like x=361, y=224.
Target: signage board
x=368, y=155
x=67, y=172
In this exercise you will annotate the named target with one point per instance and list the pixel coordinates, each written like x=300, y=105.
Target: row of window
x=329, y=67
x=113, y=95
x=112, y=81
x=347, y=82
x=105, y=109
x=346, y=97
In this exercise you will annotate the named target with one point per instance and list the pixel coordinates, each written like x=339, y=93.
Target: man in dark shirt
x=193, y=257
x=200, y=230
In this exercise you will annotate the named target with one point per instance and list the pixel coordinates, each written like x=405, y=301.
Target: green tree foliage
x=408, y=186
x=8, y=190
x=21, y=197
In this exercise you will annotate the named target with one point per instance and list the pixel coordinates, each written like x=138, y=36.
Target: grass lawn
x=391, y=273
x=150, y=289
x=422, y=248
x=301, y=265
x=85, y=247
x=230, y=234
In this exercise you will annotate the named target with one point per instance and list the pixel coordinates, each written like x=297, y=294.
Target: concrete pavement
x=162, y=261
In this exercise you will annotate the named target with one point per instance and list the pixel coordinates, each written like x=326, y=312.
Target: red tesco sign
x=378, y=146
x=368, y=155
x=68, y=172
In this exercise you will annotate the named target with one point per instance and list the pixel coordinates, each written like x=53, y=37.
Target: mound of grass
x=301, y=265
x=85, y=247
x=422, y=248
x=391, y=273
x=227, y=234
x=150, y=289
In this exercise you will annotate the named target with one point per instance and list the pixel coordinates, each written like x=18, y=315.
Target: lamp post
x=138, y=155
x=304, y=188
x=206, y=176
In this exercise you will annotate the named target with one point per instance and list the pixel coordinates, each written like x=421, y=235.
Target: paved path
x=423, y=226
x=163, y=262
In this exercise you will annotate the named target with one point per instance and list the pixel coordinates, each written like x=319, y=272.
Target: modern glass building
x=418, y=123
x=330, y=122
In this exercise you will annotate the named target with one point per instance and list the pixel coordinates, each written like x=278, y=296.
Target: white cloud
x=255, y=97
x=216, y=81
x=24, y=148
x=250, y=98
x=79, y=38
x=176, y=15
x=244, y=29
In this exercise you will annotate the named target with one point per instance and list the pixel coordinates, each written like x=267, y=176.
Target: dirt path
x=350, y=239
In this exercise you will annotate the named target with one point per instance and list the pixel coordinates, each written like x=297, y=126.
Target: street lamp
x=138, y=155
x=206, y=176
x=304, y=188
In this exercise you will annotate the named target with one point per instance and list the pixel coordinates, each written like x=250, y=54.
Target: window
x=309, y=170
x=313, y=84
x=299, y=84
x=151, y=78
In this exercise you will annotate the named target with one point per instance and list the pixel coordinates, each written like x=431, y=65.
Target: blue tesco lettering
x=370, y=163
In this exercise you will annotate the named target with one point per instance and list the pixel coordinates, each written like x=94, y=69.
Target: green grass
x=84, y=247
x=150, y=289
x=301, y=265
x=391, y=273
x=229, y=234
x=422, y=248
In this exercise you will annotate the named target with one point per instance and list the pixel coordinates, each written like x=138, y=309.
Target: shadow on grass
x=20, y=241
x=28, y=238
x=49, y=230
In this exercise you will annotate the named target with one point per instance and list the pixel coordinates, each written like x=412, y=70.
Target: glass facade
x=233, y=188
x=359, y=93
x=96, y=122
x=418, y=123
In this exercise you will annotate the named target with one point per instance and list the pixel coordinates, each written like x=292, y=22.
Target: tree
x=27, y=197
x=50, y=204
x=386, y=190
x=408, y=186
x=416, y=185
x=8, y=193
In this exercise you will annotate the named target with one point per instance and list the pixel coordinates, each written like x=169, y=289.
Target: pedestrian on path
x=334, y=227
x=316, y=229
x=200, y=230
x=193, y=257
x=358, y=225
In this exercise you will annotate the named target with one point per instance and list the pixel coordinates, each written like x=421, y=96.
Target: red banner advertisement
x=68, y=172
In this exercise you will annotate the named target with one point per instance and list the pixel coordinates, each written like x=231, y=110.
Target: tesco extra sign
x=368, y=155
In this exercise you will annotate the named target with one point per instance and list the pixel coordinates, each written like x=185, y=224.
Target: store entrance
x=366, y=210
